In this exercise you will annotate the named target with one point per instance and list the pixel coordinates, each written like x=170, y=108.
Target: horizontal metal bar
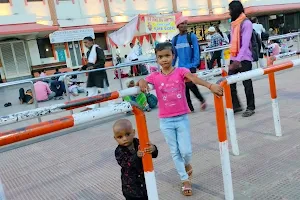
x=276, y=37
x=38, y=112
x=77, y=72
x=207, y=50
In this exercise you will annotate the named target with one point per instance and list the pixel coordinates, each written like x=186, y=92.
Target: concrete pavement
x=81, y=165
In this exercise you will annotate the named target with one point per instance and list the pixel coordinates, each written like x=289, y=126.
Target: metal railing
x=32, y=80
x=275, y=37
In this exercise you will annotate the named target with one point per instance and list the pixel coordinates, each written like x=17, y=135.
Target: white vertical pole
x=2, y=194
x=232, y=131
x=276, y=117
x=226, y=170
x=151, y=185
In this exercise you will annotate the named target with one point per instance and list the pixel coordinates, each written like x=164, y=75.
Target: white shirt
x=258, y=29
x=118, y=52
x=132, y=55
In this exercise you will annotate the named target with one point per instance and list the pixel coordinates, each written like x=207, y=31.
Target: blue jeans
x=176, y=131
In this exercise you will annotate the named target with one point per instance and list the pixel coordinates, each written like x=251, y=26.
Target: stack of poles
x=220, y=115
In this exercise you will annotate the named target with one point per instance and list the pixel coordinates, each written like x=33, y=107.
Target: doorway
x=75, y=53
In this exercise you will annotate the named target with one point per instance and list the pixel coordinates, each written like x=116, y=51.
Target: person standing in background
x=259, y=29
x=215, y=41
x=225, y=42
x=188, y=56
x=133, y=56
x=95, y=60
x=241, y=55
x=83, y=59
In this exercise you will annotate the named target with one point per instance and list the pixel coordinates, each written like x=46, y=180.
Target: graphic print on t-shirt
x=171, y=92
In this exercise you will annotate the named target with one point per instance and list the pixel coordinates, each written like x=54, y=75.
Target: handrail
x=77, y=72
x=213, y=49
x=38, y=112
x=220, y=116
x=276, y=37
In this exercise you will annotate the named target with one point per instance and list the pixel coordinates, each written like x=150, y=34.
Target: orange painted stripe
x=35, y=130
x=53, y=51
x=220, y=118
x=67, y=50
x=279, y=67
x=228, y=97
x=143, y=137
x=272, y=83
x=104, y=97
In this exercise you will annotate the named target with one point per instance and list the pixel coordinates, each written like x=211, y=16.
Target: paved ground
x=81, y=166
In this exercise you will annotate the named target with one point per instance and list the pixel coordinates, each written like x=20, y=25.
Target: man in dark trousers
x=95, y=60
x=187, y=52
x=241, y=55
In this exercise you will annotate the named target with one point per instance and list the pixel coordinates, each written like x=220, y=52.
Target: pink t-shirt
x=170, y=90
x=275, y=49
x=42, y=91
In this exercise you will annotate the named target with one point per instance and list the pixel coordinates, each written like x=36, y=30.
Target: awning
x=253, y=10
x=98, y=28
x=25, y=29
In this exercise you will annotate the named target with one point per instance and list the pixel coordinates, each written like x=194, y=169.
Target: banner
x=161, y=24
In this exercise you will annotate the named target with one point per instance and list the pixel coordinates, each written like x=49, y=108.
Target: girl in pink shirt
x=169, y=85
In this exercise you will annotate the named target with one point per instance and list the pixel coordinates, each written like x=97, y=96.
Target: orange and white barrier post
x=76, y=119
x=223, y=146
x=249, y=75
x=147, y=158
x=230, y=117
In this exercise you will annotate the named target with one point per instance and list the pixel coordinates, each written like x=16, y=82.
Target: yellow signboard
x=161, y=24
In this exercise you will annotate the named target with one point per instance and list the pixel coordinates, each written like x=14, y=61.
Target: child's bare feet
x=187, y=188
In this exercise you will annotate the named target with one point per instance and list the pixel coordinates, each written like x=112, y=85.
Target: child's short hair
x=164, y=46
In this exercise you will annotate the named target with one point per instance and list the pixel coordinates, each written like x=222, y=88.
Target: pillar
x=53, y=14
x=174, y=4
x=107, y=11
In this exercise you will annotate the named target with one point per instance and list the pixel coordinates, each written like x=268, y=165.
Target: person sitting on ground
x=75, y=88
x=25, y=97
x=140, y=99
x=42, y=73
x=43, y=92
x=58, y=87
x=129, y=156
x=56, y=72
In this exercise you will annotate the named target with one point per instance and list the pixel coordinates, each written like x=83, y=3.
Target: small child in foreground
x=129, y=157
x=169, y=85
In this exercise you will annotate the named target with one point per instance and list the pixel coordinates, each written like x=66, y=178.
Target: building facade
x=25, y=26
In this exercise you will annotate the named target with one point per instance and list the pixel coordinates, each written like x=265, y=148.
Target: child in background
x=274, y=47
x=129, y=157
x=169, y=84
x=140, y=99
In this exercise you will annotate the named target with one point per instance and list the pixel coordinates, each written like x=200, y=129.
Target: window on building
x=45, y=48
x=4, y=1
x=100, y=40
